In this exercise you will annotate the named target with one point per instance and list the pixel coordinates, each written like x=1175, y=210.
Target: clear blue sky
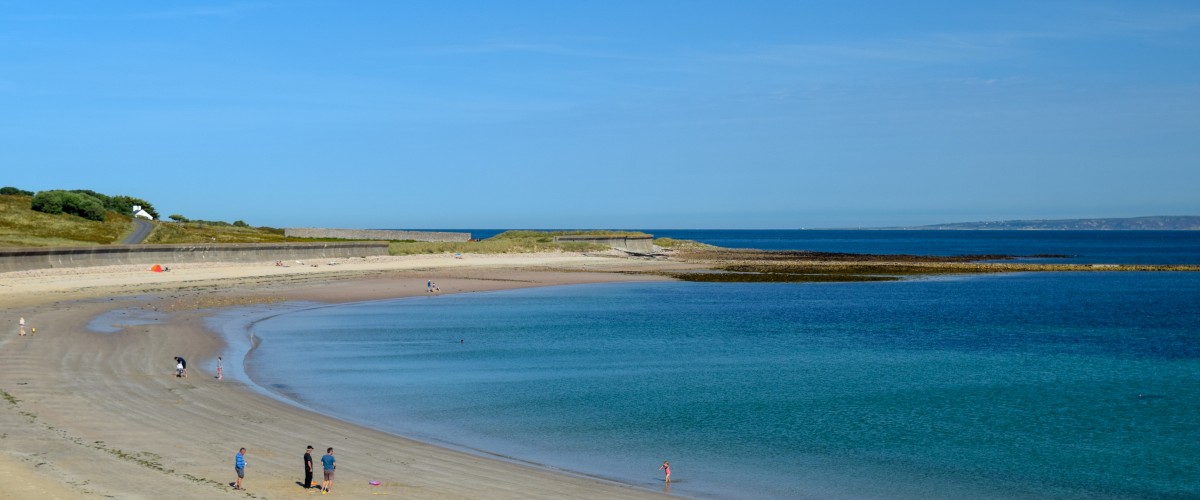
x=612, y=114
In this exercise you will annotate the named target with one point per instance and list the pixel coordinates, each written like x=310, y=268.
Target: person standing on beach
x=239, y=466
x=22, y=323
x=428, y=288
x=328, y=464
x=308, y=467
x=219, y=367
x=666, y=468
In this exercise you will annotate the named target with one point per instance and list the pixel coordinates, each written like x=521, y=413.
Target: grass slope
x=20, y=226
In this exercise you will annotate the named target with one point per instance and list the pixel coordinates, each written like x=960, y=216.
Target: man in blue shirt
x=328, y=462
x=239, y=466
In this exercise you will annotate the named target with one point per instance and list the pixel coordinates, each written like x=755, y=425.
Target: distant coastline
x=1152, y=223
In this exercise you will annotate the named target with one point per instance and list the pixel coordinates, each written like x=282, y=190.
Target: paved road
x=139, y=233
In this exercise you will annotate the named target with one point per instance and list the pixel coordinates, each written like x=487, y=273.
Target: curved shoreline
x=89, y=414
x=235, y=331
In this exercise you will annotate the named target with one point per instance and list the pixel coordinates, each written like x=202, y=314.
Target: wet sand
x=89, y=414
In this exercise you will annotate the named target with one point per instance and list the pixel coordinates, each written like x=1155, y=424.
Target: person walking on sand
x=428, y=286
x=22, y=324
x=308, y=467
x=239, y=466
x=666, y=468
x=328, y=464
x=219, y=367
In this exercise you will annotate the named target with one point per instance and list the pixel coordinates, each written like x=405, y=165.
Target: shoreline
x=89, y=413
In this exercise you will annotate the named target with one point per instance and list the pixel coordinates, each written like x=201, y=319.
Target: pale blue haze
x=694, y=114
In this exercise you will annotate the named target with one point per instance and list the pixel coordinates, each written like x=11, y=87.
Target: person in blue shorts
x=328, y=462
x=239, y=466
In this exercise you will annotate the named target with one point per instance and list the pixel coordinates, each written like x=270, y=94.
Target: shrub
x=178, y=218
x=50, y=202
x=84, y=206
x=9, y=190
x=69, y=202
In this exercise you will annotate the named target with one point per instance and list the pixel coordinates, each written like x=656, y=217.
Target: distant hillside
x=1159, y=223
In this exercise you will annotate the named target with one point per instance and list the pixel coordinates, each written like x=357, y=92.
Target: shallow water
x=1065, y=385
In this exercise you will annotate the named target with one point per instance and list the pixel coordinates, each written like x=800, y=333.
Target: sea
x=1022, y=385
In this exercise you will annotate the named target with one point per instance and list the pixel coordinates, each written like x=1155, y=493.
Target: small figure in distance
x=220, y=368
x=666, y=468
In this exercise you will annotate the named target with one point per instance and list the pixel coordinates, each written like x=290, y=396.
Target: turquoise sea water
x=1051, y=385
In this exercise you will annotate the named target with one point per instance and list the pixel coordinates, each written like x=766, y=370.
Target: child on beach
x=239, y=466
x=219, y=368
x=666, y=468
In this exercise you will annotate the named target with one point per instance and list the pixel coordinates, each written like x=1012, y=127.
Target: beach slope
x=91, y=407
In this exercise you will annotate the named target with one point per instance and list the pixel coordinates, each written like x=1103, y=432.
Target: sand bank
x=88, y=414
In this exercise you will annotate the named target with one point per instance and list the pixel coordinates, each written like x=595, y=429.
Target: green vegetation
x=675, y=244
x=22, y=227
x=9, y=190
x=66, y=202
x=87, y=204
x=212, y=232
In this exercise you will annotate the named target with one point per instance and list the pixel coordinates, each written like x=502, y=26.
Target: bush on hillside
x=120, y=203
x=9, y=190
x=69, y=202
x=177, y=218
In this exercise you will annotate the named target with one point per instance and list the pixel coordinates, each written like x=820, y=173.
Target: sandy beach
x=90, y=414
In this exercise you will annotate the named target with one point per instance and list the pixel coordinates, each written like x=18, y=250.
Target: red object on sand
x=156, y=268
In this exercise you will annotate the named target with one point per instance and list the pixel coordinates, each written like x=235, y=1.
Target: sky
x=609, y=115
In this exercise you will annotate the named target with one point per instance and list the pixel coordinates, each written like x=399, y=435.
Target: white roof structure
x=138, y=212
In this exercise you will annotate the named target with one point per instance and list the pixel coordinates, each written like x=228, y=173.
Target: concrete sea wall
x=373, y=234
x=22, y=259
x=638, y=244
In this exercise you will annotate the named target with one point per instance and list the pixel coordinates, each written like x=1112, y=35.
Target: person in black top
x=308, y=470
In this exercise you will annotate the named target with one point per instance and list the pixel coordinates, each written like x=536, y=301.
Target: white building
x=138, y=212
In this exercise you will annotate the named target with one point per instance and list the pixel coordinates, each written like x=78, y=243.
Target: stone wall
x=21, y=259
x=636, y=244
x=373, y=234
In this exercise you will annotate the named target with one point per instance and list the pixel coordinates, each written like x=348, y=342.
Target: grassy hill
x=20, y=226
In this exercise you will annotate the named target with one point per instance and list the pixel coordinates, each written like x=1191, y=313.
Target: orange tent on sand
x=156, y=268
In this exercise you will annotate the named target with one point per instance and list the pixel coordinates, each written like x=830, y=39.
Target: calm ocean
x=1038, y=385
